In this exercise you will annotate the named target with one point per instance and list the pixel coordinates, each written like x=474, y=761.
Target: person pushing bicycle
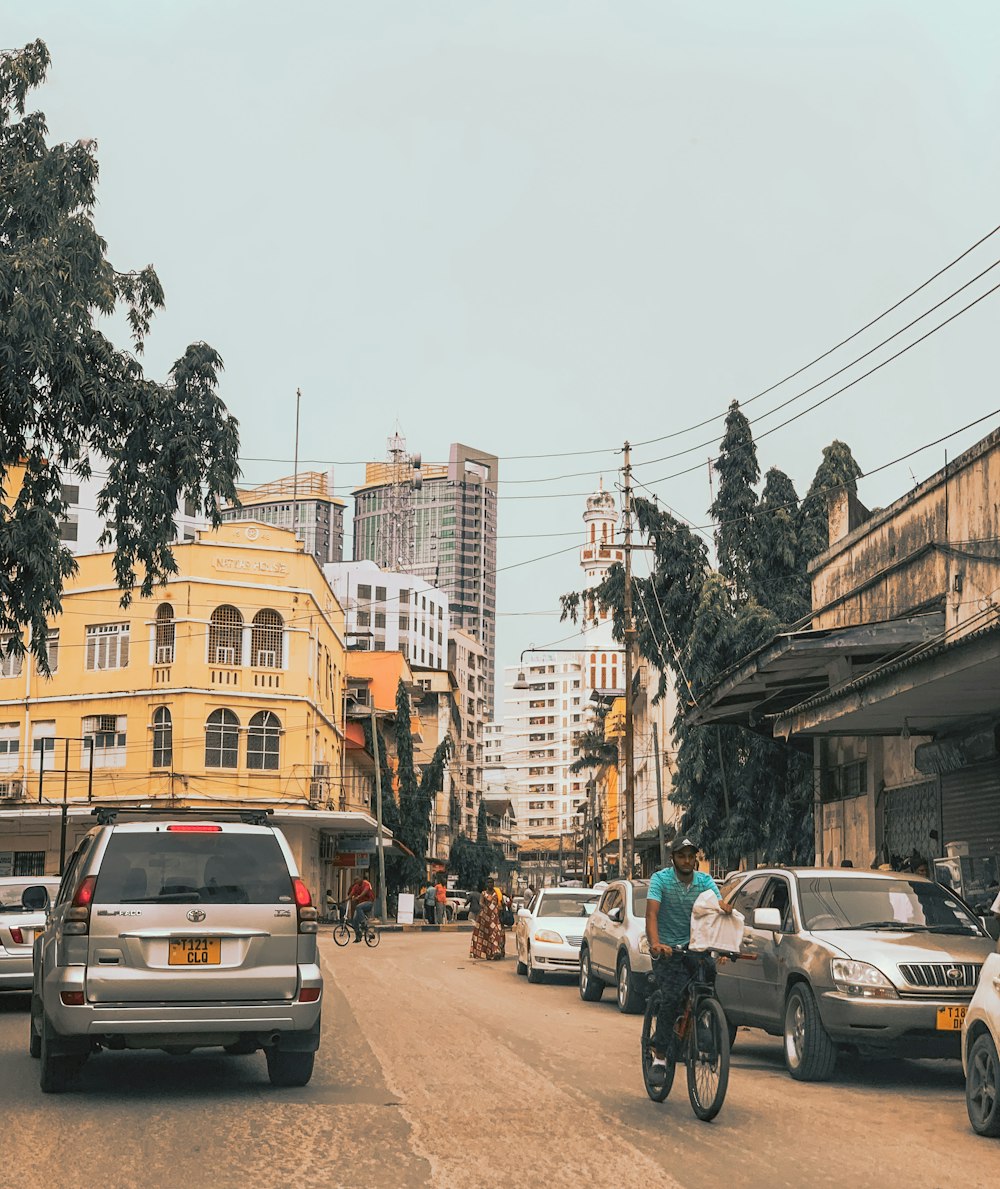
x=669, y=901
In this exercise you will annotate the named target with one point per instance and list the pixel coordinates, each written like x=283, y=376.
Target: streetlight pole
x=378, y=818
x=629, y=642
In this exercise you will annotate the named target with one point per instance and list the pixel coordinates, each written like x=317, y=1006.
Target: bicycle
x=701, y=1038
x=343, y=933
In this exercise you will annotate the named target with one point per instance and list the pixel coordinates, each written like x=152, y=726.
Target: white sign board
x=363, y=844
x=404, y=910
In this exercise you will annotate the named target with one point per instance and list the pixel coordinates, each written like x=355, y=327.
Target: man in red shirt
x=361, y=901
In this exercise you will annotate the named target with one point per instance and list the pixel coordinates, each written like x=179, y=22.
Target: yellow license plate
x=949, y=1019
x=195, y=951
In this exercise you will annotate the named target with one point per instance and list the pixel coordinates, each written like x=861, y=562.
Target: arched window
x=222, y=740
x=225, y=637
x=164, y=634
x=265, y=640
x=604, y=533
x=163, y=737
x=263, y=738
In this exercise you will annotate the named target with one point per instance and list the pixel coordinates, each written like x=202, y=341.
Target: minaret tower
x=603, y=669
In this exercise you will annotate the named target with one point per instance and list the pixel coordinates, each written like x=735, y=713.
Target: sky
x=546, y=227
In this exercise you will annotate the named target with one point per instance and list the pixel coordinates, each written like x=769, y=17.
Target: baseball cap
x=682, y=843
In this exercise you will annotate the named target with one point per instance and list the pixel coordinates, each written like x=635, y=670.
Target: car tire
x=591, y=987
x=534, y=974
x=522, y=967
x=289, y=1068
x=630, y=1000
x=59, y=1071
x=810, y=1054
x=982, y=1086
x=35, y=1027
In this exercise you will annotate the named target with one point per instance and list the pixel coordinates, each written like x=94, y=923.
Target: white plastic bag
x=713, y=929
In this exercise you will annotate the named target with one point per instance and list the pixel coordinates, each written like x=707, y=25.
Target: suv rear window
x=190, y=868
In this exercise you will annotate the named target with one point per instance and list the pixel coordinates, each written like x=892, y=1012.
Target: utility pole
x=378, y=818
x=592, y=790
x=659, y=797
x=629, y=642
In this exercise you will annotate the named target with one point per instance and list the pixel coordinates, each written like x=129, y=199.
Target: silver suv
x=178, y=933
x=615, y=949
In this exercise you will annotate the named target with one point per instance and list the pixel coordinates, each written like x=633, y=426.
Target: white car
x=980, y=1046
x=548, y=933
x=24, y=901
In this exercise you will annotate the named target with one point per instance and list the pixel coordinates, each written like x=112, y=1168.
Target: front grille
x=951, y=976
x=576, y=941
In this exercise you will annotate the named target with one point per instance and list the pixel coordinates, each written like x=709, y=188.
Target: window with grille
x=265, y=640
x=225, y=637
x=163, y=738
x=10, y=665
x=107, y=646
x=108, y=733
x=263, y=740
x=164, y=634
x=222, y=740
x=29, y=862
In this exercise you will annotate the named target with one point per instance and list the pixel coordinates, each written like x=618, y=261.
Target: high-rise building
x=447, y=518
x=304, y=502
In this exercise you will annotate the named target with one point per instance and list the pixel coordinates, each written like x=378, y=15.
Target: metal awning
x=932, y=692
x=797, y=666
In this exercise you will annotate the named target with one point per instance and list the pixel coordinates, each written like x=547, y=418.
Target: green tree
x=778, y=578
x=734, y=505
x=67, y=393
x=394, y=874
x=837, y=471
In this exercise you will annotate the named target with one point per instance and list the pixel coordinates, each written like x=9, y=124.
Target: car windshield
x=566, y=906
x=910, y=905
x=11, y=893
x=192, y=868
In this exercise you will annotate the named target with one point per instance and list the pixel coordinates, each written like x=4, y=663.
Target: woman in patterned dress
x=489, y=939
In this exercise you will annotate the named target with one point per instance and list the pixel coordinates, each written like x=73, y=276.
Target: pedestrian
x=474, y=900
x=430, y=899
x=360, y=902
x=489, y=941
x=440, y=901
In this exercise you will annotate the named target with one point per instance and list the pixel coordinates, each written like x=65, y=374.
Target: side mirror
x=523, y=912
x=615, y=914
x=35, y=898
x=768, y=919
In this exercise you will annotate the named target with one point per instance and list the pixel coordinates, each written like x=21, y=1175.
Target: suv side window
x=777, y=895
x=610, y=898
x=745, y=900
x=70, y=876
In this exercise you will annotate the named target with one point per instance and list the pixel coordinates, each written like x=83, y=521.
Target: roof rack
x=107, y=815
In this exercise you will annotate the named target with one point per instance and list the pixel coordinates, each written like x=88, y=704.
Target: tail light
x=77, y=920
x=308, y=916
x=195, y=828
x=309, y=994
x=16, y=936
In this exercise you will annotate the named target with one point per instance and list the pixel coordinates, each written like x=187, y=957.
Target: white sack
x=713, y=929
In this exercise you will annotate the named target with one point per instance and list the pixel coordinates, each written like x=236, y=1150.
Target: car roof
x=570, y=891
x=828, y=873
x=158, y=825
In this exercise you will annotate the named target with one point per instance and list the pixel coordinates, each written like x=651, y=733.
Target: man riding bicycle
x=669, y=901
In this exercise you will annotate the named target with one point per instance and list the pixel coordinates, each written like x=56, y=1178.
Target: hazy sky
x=545, y=227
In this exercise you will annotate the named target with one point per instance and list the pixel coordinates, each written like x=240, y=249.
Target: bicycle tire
x=708, y=1058
x=372, y=937
x=342, y=934
x=656, y=1093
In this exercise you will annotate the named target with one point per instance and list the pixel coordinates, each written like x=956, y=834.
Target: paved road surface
x=437, y=1071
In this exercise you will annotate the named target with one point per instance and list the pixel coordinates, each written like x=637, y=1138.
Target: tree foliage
x=838, y=471
x=68, y=395
x=778, y=578
x=733, y=507
x=416, y=794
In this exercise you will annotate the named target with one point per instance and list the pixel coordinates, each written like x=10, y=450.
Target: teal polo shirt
x=673, y=921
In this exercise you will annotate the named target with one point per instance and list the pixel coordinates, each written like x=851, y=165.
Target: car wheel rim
x=795, y=1031
x=585, y=972
x=622, y=985
x=983, y=1085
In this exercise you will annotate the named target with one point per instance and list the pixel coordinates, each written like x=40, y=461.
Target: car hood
x=887, y=950
x=563, y=925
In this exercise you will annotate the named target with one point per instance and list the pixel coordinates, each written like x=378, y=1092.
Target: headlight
x=861, y=979
x=644, y=944
x=548, y=935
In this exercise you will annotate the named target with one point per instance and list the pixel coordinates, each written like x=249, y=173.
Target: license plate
x=195, y=951
x=949, y=1019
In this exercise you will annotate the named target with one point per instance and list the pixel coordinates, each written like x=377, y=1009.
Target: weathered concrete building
x=895, y=686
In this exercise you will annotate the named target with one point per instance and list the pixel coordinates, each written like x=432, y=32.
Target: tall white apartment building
x=391, y=612
x=81, y=527
x=469, y=665
x=539, y=742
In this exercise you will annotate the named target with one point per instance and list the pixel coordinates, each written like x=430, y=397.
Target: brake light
x=72, y=998
x=77, y=920
x=309, y=994
x=199, y=828
x=85, y=892
x=308, y=916
x=302, y=897
x=16, y=936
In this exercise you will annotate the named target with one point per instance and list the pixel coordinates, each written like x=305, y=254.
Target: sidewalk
x=416, y=927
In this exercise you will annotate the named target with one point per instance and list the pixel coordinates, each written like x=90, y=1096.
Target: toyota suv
x=882, y=963
x=178, y=933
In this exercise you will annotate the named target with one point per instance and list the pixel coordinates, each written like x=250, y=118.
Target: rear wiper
x=958, y=927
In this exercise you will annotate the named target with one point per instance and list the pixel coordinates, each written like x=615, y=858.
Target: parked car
x=549, y=933
x=24, y=901
x=178, y=934
x=980, y=1046
x=458, y=901
x=882, y=963
x=615, y=950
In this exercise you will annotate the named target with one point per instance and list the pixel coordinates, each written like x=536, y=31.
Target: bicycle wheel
x=658, y=1092
x=708, y=1059
x=372, y=937
x=342, y=933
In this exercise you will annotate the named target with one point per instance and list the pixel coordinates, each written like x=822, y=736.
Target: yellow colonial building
x=225, y=688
